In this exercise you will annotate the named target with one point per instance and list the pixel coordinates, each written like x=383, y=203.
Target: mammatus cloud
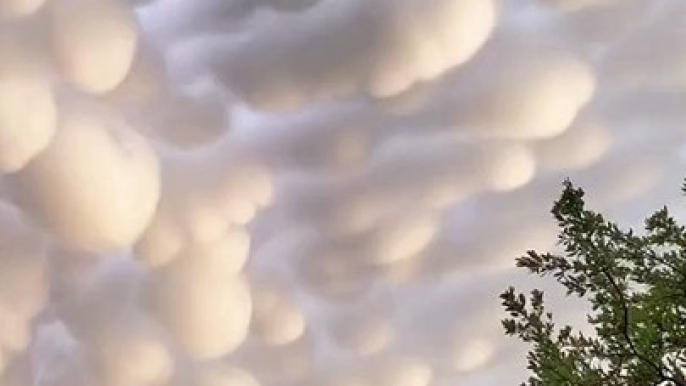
x=94, y=56
x=395, y=45
x=309, y=193
x=26, y=130
x=112, y=187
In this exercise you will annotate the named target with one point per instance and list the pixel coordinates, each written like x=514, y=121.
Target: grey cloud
x=288, y=62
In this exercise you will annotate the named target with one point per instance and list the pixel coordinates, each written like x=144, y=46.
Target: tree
x=636, y=286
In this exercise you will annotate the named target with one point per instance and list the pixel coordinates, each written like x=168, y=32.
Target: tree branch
x=627, y=336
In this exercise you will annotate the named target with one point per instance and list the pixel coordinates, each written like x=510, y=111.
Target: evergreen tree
x=636, y=286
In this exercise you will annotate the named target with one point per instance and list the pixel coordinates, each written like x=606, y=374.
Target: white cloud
x=94, y=42
x=96, y=186
x=25, y=128
x=301, y=192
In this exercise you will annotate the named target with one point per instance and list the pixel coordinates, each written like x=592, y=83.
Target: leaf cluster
x=636, y=286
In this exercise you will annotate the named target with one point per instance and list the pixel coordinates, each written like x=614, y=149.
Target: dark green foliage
x=636, y=285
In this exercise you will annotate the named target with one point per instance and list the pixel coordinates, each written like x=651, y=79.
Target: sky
x=312, y=192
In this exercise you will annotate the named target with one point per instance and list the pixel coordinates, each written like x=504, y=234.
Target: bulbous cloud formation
x=535, y=97
x=112, y=187
x=25, y=130
x=314, y=55
x=309, y=192
x=208, y=313
x=24, y=289
x=95, y=56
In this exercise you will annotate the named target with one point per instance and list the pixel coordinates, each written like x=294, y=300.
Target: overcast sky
x=311, y=192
